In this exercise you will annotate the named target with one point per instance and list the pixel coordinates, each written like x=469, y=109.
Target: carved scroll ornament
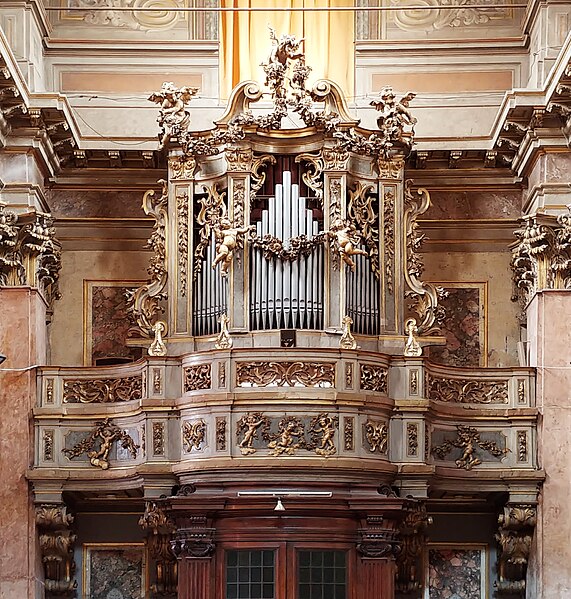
x=145, y=302
x=377, y=436
x=197, y=377
x=99, y=443
x=374, y=378
x=466, y=391
x=102, y=390
x=363, y=212
x=193, y=434
x=212, y=211
x=285, y=374
x=422, y=297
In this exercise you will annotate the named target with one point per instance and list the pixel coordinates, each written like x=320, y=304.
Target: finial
x=347, y=340
x=412, y=348
x=223, y=341
x=158, y=347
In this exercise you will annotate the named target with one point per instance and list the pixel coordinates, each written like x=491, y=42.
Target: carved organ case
x=291, y=228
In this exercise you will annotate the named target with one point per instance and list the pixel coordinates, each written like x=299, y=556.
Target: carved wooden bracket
x=515, y=533
x=379, y=538
x=56, y=546
x=194, y=538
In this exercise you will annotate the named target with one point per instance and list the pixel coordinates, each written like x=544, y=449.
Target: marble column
x=23, y=342
x=549, y=333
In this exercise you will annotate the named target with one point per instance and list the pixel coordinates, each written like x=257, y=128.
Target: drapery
x=245, y=41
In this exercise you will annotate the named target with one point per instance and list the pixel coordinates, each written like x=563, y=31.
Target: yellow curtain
x=245, y=41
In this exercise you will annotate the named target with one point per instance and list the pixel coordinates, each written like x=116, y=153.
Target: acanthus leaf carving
x=102, y=390
x=193, y=435
x=466, y=390
x=288, y=374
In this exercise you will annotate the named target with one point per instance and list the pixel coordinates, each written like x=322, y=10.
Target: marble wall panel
x=492, y=268
x=459, y=205
x=464, y=327
x=114, y=571
x=95, y=204
x=456, y=573
x=108, y=323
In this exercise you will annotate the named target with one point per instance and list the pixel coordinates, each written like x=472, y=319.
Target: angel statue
x=394, y=115
x=287, y=47
x=226, y=235
x=347, y=241
x=173, y=115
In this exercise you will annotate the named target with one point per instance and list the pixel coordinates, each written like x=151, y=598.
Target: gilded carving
x=193, y=434
x=413, y=382
x=520, y=391
x=173, y=117
x=514, y=536
x=182, y=167
x=212, y=211
x=322, y=431
x=158, y=347
x=422, y=297
x=522, y=446
x=49, y=391
x=335, y=159
x=374, y=378
x=348, y=433
x=239, y=159
x=347, y=340
x=220, y=433
x=345, y=241
x=56, y=543
x=145, y=302
x=313, y=175
x=249, y=425
x=49, y=445
x=258, y=176
x=102, y=390
x=349, y=375
x=335, y=217
x=285, y=374
x=157, y=381
x=289, y=438
x=391, y=168
x=197, y=377
x=466, y=391
x=98, y=444
x=377, y=436
x=223, y=340
x=299, y=246
x=160, y=529
x=228, y=239
x=222, y=374
x=412, y=347
x=182, y=237
x=389, y=237
x=411, y=439
x=468, y=440
x=362, y=211
x=158, y=438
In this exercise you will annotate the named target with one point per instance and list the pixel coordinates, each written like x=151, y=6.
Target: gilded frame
x=90, y=548
x=482, y=286
x=88, y=285
x=483, y=549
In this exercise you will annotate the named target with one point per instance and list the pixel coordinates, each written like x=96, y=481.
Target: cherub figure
x=250, y=422
x=173, y=114
x=226, y=236
x=288, y=438
x=286, y=48
x=394, y=115
x=108, y=434
x=325, y=426
x=347, y=240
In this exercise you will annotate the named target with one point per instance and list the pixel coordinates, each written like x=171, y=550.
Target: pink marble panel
x=110, y=323
x=95, y=204
x=455, y=573
x=457, y=205
x=462, y=328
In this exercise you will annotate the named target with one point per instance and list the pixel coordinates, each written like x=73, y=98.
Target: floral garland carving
x=102, y=390
x=272, y=247
x=466, y=391
x=285, y=374
x=389, y=236
x=144, y=303
x=182, y=230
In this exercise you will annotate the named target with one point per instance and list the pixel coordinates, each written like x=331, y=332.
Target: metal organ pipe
x=291, y=293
